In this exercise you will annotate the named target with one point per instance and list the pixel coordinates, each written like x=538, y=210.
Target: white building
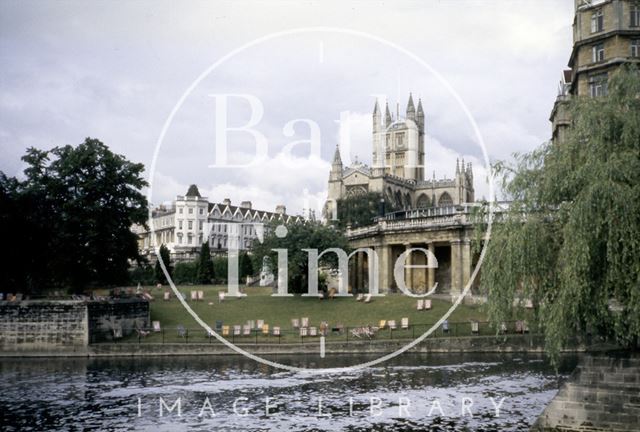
x=192, y=220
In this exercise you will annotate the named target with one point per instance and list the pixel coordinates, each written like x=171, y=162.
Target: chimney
x=281, y=209
x=226, y=201
x=245, y=205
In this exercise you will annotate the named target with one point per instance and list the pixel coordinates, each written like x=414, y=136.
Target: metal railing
x=335, y=334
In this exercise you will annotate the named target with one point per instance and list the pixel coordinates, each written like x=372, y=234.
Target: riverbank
x=472, y=344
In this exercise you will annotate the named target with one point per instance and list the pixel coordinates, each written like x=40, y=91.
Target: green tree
x=74, y=208
x=185, y=273
x=205, y=265
x=301, y=235
x=360, y=210
x=246, y=265
x=166, y=259
x=220, y=269
x=571, y=239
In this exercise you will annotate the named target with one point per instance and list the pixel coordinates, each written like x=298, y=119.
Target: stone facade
x=606, y=35
x=66, y=325
x=445, y=232
x=192, y=219
x=398, y=166
x=603, y=394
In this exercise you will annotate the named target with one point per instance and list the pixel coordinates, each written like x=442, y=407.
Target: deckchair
x=181, y=331
x=221, y=296
x=156, y=326
x=276, y=331
x=167, y=295
x=367, y=298
x=295, y=322
x=303, y=331
x=313, y=331
x=246, y=330
x=475, y=329
x=194, y=295
x=225, y=330
x=392, y=324
x=200, y=295
x=265, y=329
x=259, y=324
x=427, y=304
x=404, y=323
x=218, y=326
x=304, y=322
x=360, y=297
x=420, y=305
x=382, y=324
x=237, y=330
x=445, y=326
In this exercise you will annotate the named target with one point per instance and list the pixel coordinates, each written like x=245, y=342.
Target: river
x=411, y=392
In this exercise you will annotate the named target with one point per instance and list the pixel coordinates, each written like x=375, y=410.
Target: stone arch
x=398, y=199
x=445, y=200
x=356, y=190
x=407, y=201
x=423, y=201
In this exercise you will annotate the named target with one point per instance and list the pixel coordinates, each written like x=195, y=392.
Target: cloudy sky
x=301, y=71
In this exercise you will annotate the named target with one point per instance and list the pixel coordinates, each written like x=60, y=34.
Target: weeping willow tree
x=571, y=238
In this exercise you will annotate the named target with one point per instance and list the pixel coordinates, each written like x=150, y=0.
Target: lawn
x=278, y=311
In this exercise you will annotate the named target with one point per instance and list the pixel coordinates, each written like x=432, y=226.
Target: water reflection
x=412, y=392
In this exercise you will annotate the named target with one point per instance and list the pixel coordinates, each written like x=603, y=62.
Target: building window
x=200, y=225
x=597, y=21
x=190, y=224
x=635, y=47
x=635, y=15
x=201, y=211
x=180, y=210
x=597, y=52
x=190, y=210
x=180, y=224
x=598, y=85
x=400, y=139
x=179, y=239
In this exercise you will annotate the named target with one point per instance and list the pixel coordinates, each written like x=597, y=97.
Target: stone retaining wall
x=52, y=326
x=603, y=394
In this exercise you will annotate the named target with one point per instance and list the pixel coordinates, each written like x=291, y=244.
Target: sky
x=165, y=83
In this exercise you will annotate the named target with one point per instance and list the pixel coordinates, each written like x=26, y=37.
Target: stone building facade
x=606, y=35
x=192, y=220
x=398, y=167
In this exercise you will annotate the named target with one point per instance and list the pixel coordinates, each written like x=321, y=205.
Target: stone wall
x=111, y=316
x=43, y=325
x=66, y=325
x=603, y=394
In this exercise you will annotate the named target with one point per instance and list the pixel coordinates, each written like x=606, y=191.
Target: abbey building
x=398, y=167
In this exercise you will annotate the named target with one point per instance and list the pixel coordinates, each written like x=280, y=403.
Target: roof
x=193, y=191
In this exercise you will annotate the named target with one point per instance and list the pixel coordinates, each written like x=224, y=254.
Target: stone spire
x=337, y=160
x=457, y=166
x=387, y=115
x=336, y=166
x=420, y=116
x=411, y=109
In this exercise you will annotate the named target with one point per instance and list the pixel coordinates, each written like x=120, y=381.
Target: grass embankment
x=279, y=311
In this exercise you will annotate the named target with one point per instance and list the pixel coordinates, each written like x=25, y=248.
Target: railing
x=348, y=334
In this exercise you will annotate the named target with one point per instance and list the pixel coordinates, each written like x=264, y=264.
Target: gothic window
x=407, y=201
x=635, y=15
x=445, y=200
x=398, y=199
x=635, y=47
x=598, y=85
x=400, y=139
x=597, y=52
x=423, y=201
x=597, y=21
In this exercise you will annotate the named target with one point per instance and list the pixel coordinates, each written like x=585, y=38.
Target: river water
x=412, y=392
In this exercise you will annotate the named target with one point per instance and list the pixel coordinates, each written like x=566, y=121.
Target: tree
x=360, y=210
x=571, y=239
x=246, y=265
x=220, y=269
x=205, y=265
x=301, y=235
x=74, y=210
x=185, y=273
x=166, y=259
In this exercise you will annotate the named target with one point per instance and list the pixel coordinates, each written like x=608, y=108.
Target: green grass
x=278, y=311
